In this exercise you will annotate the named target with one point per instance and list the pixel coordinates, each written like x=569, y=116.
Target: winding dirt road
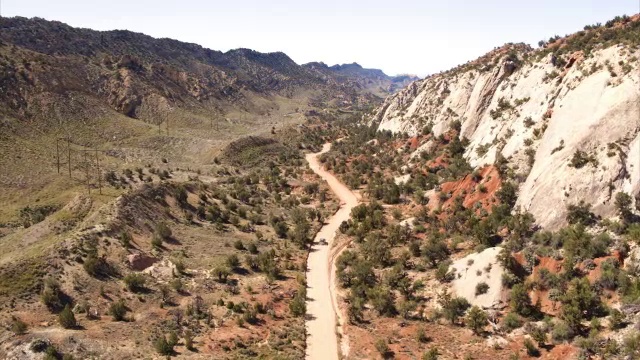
x=322, y=305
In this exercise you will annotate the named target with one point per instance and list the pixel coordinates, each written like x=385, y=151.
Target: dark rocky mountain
x=139, y=75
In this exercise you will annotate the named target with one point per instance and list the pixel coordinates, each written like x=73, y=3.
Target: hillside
x=138, y=100
x=566, y=117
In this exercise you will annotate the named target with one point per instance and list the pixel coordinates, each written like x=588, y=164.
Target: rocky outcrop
x=541, y=117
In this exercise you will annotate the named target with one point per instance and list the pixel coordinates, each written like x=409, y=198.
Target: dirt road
x=322, y=308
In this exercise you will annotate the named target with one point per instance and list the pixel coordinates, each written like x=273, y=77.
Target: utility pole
x=86, y=166
x=69, y=155
x=58, y=154
x=99, y=174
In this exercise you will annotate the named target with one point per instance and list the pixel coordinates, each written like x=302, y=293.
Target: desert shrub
x=476, y=319
x=233, y=261
x=222, y=273
x=298, y=305
x=125, y=239
x=453, y=308
x=561, y=331
x=66, y=318
x=383, y=348
x=482, y=288
x=519, y=300
x=18, y=326
x=511, y=321
x=162, y=346
x=118, y=310
x=421, y=335
x=581, y=158
x=163, y=231
x=531, y=348
x=238, y=245
x=52, y=296
x=96, y=266
x=580, y=214
x=616, y=319
x=135, y=282
x=431, y=354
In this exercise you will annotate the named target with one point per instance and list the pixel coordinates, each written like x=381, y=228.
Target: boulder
x=139, y=261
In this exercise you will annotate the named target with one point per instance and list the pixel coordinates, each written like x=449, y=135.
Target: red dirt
x=413, y=143
x=491, y=181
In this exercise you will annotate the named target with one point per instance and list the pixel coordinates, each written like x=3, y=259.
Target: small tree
x=623, y=205
x=520, y=301
x=476, y=319
x=453, y=308
x=66, y=318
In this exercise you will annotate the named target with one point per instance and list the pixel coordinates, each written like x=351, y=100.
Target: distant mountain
x=374, y=80
x=139, y=75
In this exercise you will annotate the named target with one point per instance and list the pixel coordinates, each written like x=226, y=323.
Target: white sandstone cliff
x=593, y=105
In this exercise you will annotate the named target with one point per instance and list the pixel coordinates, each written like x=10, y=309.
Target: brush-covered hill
x=139, y=75
x=139, y=99
x=565, y=117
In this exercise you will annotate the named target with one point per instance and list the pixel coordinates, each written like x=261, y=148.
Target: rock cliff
x=566, y=117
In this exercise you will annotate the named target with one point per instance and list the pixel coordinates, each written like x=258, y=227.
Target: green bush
x=511, y=321
x=476, y=319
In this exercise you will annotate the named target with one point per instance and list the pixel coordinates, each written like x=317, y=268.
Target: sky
x=418, y=37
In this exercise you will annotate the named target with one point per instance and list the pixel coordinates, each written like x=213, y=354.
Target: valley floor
x=322, y=307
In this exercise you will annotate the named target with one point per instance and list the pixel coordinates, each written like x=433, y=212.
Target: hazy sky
x=397, y=36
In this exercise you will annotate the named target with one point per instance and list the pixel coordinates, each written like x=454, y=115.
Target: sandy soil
x=322, y=305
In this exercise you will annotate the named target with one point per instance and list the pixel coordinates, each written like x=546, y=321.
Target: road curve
x=322, y=308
